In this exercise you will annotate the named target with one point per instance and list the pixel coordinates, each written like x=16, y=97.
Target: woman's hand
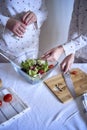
x=17, y=27
x=29, y=18
x=53, y=54
x=67, y=62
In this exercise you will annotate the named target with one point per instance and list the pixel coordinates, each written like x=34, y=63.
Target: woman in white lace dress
x=77, y=40
x=20, y=23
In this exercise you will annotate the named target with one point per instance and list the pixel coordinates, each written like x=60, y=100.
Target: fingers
x=20, y=29
x=47, y=54
x=29, y=18
x=16, y=26
x=67, y=68
x=49, y=58
x=67, y=62
x=18, y=33
x=64, y=66
x=51, y=55
x=25, y=16
x=23, y=26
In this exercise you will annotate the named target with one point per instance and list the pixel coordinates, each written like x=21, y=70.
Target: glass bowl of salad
x=35, y=70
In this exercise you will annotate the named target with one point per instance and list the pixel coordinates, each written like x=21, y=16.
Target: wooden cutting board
x=58, y=86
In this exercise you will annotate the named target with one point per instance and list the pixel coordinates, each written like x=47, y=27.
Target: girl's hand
x=67, y=62
x=17, y=27
x=53, y=54
x=29, y=18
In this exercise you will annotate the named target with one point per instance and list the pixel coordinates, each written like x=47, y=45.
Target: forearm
x=75, y=44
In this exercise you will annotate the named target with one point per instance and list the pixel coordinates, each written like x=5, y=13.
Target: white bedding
x=46, y=113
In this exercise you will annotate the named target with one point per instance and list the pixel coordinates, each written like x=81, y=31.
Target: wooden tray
x=12, y=110
x=58, y=86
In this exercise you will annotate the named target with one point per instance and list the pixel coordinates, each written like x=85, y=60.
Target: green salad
x=35, y=67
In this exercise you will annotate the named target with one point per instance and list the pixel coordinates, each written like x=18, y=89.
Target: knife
x=69, y=83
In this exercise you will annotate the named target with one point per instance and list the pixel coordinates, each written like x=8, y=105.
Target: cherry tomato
x=41, y=71
x=0, y=103
x=74, y=72
x=7, y=97
x=50, y=66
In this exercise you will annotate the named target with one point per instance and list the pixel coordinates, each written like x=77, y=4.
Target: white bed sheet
x=46, y=113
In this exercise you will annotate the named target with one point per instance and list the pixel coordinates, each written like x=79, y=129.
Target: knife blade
x=69, y=83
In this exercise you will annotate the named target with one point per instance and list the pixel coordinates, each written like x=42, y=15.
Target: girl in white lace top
x=20, y=23
x=77, y=39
